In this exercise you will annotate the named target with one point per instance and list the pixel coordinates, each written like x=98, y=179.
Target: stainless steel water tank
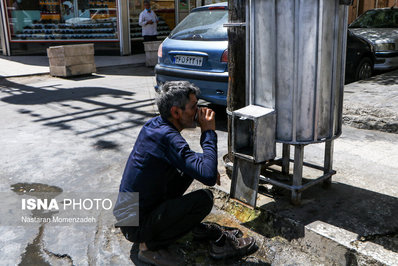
x=296, y=60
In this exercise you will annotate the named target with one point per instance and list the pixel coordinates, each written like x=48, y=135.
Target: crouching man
x=161, y=167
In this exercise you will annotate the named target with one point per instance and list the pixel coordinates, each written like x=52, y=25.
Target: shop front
x=30, y=26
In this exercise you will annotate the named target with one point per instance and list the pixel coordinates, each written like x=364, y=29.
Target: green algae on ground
x=242, y=213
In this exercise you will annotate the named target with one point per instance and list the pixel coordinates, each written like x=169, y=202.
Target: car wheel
x=364, y=69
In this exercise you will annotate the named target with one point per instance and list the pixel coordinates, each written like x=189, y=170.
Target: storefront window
x=165, y=11
x=38, y=20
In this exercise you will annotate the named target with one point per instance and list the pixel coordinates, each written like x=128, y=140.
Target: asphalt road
x=74, y=135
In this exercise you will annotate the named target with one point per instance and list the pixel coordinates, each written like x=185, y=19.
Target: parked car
x=360, y=58
x=196, y=51
x=380, y=27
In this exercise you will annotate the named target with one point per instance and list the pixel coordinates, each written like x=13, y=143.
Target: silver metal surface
x=253, y=133
x=285, y=159
x=177, y=11
x=235, y=24
x=296, y=187
x=297, y=49
x=2, y=37
x=250, y=52
x=5, y=42
x=328, y=163
x=247, y=52
x=297, y=173
x=245, y=181
x=124, y=27
x=295, y=65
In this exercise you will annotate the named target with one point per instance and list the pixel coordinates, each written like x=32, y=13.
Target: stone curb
x=331, y=244
x=48, y=73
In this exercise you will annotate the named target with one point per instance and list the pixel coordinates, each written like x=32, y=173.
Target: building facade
x=31, y=26
x=361, y=6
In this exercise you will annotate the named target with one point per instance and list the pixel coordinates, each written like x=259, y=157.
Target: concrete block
x=72, y=60
x=71, y=50
x=151, y=58
x=151, y=52
x=75, y=70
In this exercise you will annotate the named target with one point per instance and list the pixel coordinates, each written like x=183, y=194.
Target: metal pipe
x=311, y=165
x=335, y=82
x=295, y=70
x=342, y=76
x=315, y=181
x=298, y=165
x=276, y=183
x=248, y=58
x=176, y=12
x=285, y=158
x=252, y=25
x=6, y=41
x=318, y=57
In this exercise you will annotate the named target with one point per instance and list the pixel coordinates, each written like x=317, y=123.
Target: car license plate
x=188, y=60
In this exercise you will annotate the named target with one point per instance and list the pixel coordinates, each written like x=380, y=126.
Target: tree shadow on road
x=87, y=111
x=132, y=70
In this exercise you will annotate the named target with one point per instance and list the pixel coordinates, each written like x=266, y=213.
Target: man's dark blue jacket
x=160, y=149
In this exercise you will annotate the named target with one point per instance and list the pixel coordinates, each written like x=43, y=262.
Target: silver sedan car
x=380, y=27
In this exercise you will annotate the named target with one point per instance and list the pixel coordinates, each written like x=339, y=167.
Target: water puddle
x=34, y=188
x=33, y=252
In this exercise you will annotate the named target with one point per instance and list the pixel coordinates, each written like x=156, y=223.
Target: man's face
x=188, y=115
x=147, y=5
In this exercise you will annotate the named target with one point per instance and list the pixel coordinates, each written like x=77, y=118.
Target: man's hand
x=206, y=119
x=149, y=22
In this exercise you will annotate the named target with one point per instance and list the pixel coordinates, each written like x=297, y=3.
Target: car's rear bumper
x=213, y=86
x=386, y=61
x=191, y=74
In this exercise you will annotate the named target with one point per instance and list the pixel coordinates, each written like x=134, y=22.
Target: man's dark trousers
x=175, y=217
x=150, y=38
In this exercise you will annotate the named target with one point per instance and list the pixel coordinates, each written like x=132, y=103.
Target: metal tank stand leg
x=328, y=162
x=285, y=159
x=297, y=173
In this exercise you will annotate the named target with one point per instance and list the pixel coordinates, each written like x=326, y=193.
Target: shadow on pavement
x=127, y=70
x=80, y=109
x=370, y=215
x=31, y=60
x=84, y=77
x=389, y=78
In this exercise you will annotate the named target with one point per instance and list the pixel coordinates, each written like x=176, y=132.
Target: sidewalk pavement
x=17, y=66
x=372, y=103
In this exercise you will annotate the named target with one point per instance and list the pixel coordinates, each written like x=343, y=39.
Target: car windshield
x=206, y=25
x=377, y=18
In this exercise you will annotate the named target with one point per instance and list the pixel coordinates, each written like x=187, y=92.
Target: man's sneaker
x=213, y=231
x=159, y=257
x=228, y=246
